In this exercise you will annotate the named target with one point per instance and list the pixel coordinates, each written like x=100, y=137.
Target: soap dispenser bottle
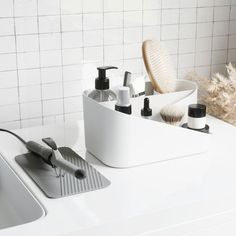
x=102, y=93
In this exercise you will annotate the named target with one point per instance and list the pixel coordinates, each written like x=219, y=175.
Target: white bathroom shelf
x=122, y=141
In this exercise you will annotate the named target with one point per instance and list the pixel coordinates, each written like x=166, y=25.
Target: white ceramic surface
x=184, y=197
x=17, y=204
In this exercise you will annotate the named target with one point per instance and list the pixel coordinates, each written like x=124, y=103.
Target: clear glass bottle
x=102, y=93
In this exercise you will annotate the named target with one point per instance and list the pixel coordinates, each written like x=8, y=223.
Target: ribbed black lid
x=146, y=111
x=197, y=110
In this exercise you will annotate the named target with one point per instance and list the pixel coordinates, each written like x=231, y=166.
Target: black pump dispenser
x=146, y=111
x=102, y=82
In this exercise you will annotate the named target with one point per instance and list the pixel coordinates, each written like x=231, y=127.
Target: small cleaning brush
x=172, y=114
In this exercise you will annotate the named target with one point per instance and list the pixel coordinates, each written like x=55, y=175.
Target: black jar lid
x=197, y=110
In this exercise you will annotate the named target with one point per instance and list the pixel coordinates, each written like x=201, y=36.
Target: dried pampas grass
x=218, y=93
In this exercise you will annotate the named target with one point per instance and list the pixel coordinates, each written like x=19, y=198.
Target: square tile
x=170, y=16
x=71, y=6
x=133, y=35
x=7, y=62
x=151, y=4
x=50, y=41
x=50, y=58
x=188, y=3
x=222, y=13
x=113, y=52
x=73, y=88
x=73, y=104
x=169, y=32
x=221, y=28
x=9, y=113
x=25, y=7
x=151, y=17
x=74, y=72
x=219, y=57
x=188, y=15
x=113, y=5
x=72, y=56
x=204, y=30
x=93, y=38
x=27, y=43
x=92, y=6
x=167, y=4
x=151, y=32
x=31, y=110
x=71, y=23
x=52, y=107
x=30, y=93
x=72, y=40
x=113, y=36
x=203, y=44
x=113, y=20
x=29, y=77
x=49, y=24
x=92, y=21
x=187, y=46
x=8, y=96
x=133, y=19
x=26, y=25
x=220, y=43
x=205, y=14
x=28, y=60
x=51, y=74
x=92, y=54
x=8, y=79
x=46, y=7
x=6, y=9
x=52, y=91
x=7, y=44
x=133, y=5
x=6, y=26
x=132, y=51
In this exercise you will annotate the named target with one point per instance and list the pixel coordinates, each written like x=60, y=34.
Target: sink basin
x=17, y=204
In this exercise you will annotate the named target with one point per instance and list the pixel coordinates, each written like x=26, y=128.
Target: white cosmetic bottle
x=197, y=118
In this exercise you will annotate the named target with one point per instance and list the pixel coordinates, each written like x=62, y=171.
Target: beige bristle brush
x=172, y=114
x=158, y=66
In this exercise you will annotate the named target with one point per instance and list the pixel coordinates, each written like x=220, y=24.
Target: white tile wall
x=49, y=49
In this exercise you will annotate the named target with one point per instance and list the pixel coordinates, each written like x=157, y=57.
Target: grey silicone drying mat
x=55, y=187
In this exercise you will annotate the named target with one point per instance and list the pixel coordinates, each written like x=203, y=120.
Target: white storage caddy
x=121, y=140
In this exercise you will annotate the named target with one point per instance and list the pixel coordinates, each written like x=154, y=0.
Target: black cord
x=17, y=136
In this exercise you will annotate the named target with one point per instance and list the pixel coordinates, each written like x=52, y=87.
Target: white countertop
x=191, y=196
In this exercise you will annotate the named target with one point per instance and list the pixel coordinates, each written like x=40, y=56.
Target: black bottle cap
x=197, y=110
x=146, y=111
x=102, y=82
x=126, y=109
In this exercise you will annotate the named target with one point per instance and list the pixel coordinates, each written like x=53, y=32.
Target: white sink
x=17, y=204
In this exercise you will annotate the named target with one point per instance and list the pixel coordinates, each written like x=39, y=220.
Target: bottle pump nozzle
x=102, y=82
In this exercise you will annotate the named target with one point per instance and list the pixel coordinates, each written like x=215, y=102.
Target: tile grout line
x=212, y=39
x=178, y=49
x=62, y=68
x=196, y=38
x=17, y=71
x=228, y=42
x=39, y=54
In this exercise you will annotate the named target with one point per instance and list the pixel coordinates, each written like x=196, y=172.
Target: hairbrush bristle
x=172, y=114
